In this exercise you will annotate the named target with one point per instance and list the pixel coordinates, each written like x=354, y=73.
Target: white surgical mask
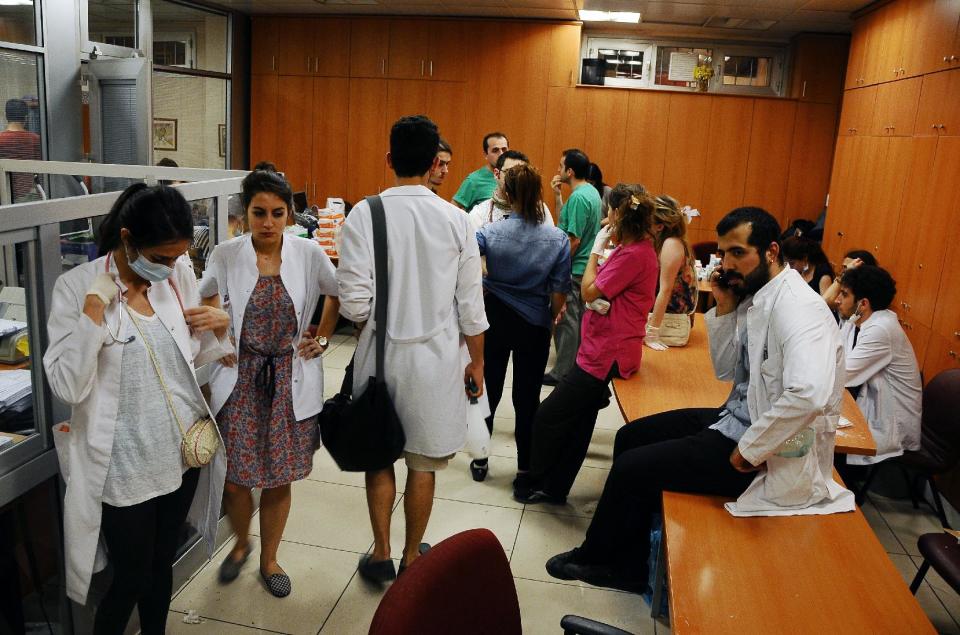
x=149, y=271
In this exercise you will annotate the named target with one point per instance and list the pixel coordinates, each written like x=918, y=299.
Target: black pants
x=563, y=428
x=530, y=345
x=142, y=543
x=673, y=451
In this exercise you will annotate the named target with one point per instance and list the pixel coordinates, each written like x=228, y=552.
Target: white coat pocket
x=61, y=441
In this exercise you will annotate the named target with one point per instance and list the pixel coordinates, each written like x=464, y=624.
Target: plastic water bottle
x=798, y=445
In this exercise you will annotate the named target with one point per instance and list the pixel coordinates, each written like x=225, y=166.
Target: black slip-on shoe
x=557, y=565
x=534, y=497
x=607, y=577
x=479, y=470
x=230, y=568
x=550, y=380
x=424, y=548
x=376, y=571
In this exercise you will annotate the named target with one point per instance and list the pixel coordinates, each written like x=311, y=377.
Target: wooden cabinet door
x=895, y=112
x=369, y=47
x=368, y=142
x=565, y=128
x=646, y=135
x=296, y=46
x=945, y=200
x=331, y=108
x=838, y=211
x=939, y=109
x=858, y=111
x=884, y=187
x=295, y=131
x=404, y=97
x=921, y=237
x=607, y=150
x=818, y=68
x=731, y=119
x=882, y=58
x=447, y=58
x=858, y=46
x=564, y=54
x=331, y=47
x=409, y=49
x=768, y=162
x=811, y=158
x=263, y=118
x=264, y=45
x=445, y=106
x=919, y=336
x=943, y=353
x=688, y=128
x=939, y=31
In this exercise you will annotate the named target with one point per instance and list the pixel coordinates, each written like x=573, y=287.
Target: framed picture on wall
x=222, y=137
x=165, y=134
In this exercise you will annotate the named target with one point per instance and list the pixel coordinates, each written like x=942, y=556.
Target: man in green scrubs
x=480, y=185
x=580, y=219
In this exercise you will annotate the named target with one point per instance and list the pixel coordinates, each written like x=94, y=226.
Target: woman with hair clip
x=528, y=277
x=669, y=323
x=127, y=332
x=268, y=392
x=619, y=295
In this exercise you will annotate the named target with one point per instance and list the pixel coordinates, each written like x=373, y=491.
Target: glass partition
x=112, y=22
x=193, y=111
x=20, y=137
x=188, y=37
x=18, y=22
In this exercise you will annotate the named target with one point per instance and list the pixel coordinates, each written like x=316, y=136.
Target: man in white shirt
x=434, y=330
x=882, y=372
x=496, y=207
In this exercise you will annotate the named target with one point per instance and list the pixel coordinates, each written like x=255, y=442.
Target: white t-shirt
x=486, y=212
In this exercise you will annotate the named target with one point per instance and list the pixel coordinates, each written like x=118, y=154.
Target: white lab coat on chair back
x=306, y=273
x=796, y=382
x=435, y=297
x=891, y=397
x=83, y=366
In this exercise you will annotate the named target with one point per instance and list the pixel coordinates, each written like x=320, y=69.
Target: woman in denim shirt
x=528, y=276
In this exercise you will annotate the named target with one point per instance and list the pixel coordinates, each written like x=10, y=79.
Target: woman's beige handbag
x=201, y=441
x=675, y=329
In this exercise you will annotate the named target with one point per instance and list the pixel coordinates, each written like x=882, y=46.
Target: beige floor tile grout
x=936, y=593
x=340, y=597
x=247, y=626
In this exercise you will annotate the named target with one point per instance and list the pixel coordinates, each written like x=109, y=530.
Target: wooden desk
x=683, y=378
x=809, y=574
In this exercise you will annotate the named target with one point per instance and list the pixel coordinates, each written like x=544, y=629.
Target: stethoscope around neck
x=120, y=309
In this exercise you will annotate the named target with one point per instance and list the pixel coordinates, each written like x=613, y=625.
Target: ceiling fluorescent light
x=609, y=16
x=15, y=3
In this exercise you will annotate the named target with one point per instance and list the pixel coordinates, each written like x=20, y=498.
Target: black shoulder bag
x=365, y=434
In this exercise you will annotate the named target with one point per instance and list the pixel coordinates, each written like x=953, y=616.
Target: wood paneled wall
x=894, y=188
x=326, y=90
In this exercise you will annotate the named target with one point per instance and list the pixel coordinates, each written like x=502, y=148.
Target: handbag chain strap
x=156, y=366
x=379, y=219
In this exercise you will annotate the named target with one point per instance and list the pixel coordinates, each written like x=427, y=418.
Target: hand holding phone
x=473, y=391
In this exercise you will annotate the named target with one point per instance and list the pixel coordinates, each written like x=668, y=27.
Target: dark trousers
x=671, y=451
x=563, y=428
x=142, y=543
x=530, y=345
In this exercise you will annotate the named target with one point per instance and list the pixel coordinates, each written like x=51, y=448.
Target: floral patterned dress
x=266, y=446
x=683, y=296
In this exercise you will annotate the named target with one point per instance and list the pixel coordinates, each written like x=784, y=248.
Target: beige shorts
x=421, y=463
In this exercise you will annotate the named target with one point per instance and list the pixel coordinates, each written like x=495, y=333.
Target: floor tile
x=176, y=626
x=319, y=577
x=339, y=357
x=880, y=527
x=583, y=497
x=949, y=597
x=541, y=537
x=451, y=517
x=600, y=453
x=456, y=483
x=332, y=381
x=543, y=604
x=907, y=523
x=610, y=418
x=325, y=469
x=503, y=442
x=355, y=610
x=928, y=600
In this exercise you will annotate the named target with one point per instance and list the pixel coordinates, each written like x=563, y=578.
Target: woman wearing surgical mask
x=806, y=257
x=266, y=395
x=127, y=332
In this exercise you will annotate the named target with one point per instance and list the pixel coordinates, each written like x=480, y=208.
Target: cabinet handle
x=273, y=62
x=803, y=90
x=953, y=58
x=421, y=68
x=840, y=234
x=946, y=58
x=956, y=333
x=952, y=354
x=308, y=63
x=940, y=126
x=316, y=64
x=431, y=68
x=383, y=66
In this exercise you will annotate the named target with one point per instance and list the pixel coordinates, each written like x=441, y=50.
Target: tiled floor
x=328, y=530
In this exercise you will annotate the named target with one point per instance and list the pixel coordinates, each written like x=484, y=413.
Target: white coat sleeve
x=809, y=375
x=872, y=354
x=75, y=341
x=212, y=274
x=724, y=344
x=206, y=346
x=326, y=273
x=355, y=273
x=469, y=294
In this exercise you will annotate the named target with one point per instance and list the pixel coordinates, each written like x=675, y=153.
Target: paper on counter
x=844, y=423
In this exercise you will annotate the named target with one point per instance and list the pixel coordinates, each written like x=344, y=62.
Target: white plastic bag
x=478, y=437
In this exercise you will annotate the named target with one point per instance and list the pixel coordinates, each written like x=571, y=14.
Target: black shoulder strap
x=379, y=220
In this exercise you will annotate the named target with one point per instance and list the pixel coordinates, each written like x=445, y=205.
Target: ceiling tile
x=550, y=14
x=836, y=5
x=792, y=27
x=557, y=5
x=756, y=13
x=803, y=15
x=676, y=13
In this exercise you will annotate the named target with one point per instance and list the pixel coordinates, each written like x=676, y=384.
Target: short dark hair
x=266, y=181
x=413, y=145
x=443, y=146
x=595, y=178
x=578, y=161
x=864, y=255
x=764, y=228
x=154, y=215
x=873, y=283
x=266, y=166
x=16, y=111
x=516, y=155
x=167, y=162
x=492, y=135
x=802, y=248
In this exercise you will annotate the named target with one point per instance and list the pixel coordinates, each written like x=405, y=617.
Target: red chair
x=462, y=585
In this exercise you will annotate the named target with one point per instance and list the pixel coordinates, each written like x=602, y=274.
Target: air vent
x=749, y=24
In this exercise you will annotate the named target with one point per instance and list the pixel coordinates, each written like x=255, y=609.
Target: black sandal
x=230, y=568
x=277, y=583
x=376, y=571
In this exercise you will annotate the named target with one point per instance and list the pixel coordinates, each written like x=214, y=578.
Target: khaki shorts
x=421, y=463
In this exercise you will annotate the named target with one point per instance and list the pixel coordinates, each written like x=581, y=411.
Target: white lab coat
x=891, y=399
x=435, y=297
x=306, y=273
x=796, y=382
x=485, y=212
x=83, y=367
